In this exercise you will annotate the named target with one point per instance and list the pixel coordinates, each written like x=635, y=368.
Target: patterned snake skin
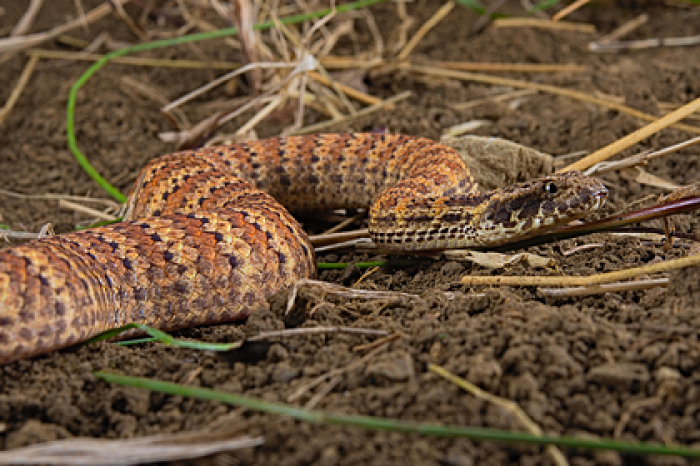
x=205, y=241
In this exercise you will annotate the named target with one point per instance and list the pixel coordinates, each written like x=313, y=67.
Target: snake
x=206, y=239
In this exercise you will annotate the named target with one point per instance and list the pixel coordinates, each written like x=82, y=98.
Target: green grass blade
x=166, y=339
x=542, y=5
x=384, y=424
x=367, y=265
x=136, y=341
x=73, y=95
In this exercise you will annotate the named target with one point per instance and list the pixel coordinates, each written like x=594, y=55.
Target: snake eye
x=550, y=188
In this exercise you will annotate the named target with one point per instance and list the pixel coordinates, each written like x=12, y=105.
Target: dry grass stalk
x=596, y=279
x=602, y=289
x=631, y=139
x=280, y=82
x=337, y=89
x=625, y=29
x=137, y=61
x=19, y=87
x=493, y=99
x=513, y=67
x=156, y=448
x=111, y=205
x=243, y=16
x=543, y=24
x=333, y=62
x=644, y=44
x=499, y=81
x=325, y=390
x=138, y=32
x=638, y=159
x=508, y=405
x=569, y=9
x=360, y=113
x=8, y=235
x=86, y=210
x=424, y=29
x=222, y=80
x=16, y=44
x=343, y=291
x=27, y=19
x=641, y=176
x=347, y=222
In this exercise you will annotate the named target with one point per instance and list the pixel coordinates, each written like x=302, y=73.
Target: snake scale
x=206, y=241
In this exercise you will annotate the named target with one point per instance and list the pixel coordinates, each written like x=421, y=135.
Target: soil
x=619, y=365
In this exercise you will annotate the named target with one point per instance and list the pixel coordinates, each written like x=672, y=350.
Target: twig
x=49, y=196
x=644, y=44
x=311, y=404
x=510, y=406
x=339, y=290
x=17, y=91
x=354, y=93
x=596, y=279
x=604, y=288
x=25, y=22
x=630, y=139
x=86, y=210
x=424, y=29
x=360, y=113
x=331, y=238
x=8, y=234
x=488, y=79
x=543, y=24
x=625, y=29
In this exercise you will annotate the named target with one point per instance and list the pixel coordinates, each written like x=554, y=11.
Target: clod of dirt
x=619, y=375
x=34, y=431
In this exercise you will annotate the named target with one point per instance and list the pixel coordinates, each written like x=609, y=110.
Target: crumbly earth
x=620, y=365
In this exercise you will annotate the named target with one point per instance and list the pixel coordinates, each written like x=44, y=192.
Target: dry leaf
x=496, y=260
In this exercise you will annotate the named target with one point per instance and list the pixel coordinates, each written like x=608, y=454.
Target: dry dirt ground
x=620, y=365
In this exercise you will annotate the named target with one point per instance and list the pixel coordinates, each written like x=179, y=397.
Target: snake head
x=531, y=208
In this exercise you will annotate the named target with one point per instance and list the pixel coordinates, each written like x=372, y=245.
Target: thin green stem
x=73, y=95
x=367, y=265
x=166, y=339
x=384, y=424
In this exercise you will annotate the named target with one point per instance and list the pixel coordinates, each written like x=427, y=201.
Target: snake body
x=205, y=240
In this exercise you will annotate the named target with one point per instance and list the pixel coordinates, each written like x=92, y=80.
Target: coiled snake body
x=200, y=244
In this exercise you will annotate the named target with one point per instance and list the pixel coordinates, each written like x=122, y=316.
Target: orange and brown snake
x=204, y=240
